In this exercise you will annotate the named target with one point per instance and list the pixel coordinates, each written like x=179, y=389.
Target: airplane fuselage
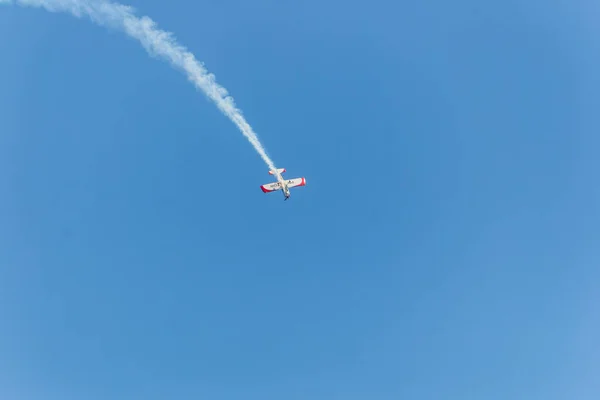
x=286, y=191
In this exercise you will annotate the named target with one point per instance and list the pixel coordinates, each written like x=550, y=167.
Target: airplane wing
x=271, y=187
x=296, y=182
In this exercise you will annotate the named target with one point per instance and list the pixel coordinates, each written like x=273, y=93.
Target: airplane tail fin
x=280, y=170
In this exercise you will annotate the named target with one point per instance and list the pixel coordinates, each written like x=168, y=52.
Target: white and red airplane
x=284, y=185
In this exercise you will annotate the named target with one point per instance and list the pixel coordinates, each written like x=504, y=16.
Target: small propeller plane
x=284, y=185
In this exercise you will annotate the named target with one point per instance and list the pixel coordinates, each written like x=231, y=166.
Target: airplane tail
x=280, y=170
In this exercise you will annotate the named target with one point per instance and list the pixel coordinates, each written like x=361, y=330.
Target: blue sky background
x=446, y=245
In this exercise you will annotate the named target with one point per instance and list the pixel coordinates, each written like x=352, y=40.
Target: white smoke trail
x=157, y=43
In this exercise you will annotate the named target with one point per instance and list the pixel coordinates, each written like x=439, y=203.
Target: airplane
x=284, y=185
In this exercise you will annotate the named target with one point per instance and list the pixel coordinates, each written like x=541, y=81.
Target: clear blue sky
x=446, y=245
